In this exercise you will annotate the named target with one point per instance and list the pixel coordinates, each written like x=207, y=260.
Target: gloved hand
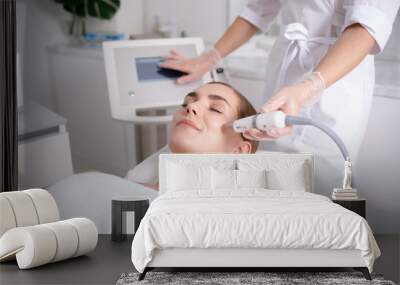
x=194, y=67
x=290, y=100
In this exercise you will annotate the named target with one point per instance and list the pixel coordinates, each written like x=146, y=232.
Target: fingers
x=174, y=52
x=171, y=57
x=280, y=132
x=288, y=99
x=249, y=136
x=273, y=105
x=174, y=55
x=174, y=64
x=187, y=78
x=260, y=135
x=257, y=135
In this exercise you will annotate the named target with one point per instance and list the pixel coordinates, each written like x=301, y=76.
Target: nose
x=192, y=108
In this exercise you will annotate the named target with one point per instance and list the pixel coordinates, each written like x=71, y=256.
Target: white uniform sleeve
x=147, y=171
x=376, y=16
x=261, y=13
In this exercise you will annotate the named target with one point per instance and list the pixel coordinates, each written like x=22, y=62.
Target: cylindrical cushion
x=87, y=233
x=23, y=208
x=67, y=239
x=7, y=218
x=33, y=246
x=41, y=244
x=45, y=205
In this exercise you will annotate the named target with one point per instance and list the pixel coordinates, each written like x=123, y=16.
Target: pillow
x=183, y=177
x=292, y=179
x=281, y=173
x=229, y=179
x=223, y=179
x=251, y=178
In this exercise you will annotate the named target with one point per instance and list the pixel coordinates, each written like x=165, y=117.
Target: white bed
x=214, y=211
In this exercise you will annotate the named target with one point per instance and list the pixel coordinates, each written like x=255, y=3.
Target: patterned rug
x=244, y=278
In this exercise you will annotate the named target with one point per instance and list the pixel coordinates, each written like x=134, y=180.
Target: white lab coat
x=310, y=27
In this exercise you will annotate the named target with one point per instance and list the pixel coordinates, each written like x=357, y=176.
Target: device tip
x=229, y=125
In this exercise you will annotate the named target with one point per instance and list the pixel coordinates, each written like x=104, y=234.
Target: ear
x=243, y=147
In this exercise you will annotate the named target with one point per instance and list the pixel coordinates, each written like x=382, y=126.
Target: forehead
x=220, y=90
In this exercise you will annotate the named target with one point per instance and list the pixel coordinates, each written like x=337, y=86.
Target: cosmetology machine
x=136, y=83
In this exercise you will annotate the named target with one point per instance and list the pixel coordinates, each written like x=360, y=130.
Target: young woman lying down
x=200, y=126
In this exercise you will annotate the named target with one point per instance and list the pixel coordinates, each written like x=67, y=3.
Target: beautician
x=321, y=66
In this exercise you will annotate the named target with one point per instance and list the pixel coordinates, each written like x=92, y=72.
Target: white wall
x=205, y=18
x=378, y=167
x=46, y=24
x=235, y=8
x=43, y=27
x=392, y=49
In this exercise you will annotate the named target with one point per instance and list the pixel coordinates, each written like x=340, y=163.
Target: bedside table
x=119, y=205
x=358, y=206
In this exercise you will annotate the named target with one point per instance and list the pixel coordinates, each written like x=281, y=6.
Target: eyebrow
x=211, y=96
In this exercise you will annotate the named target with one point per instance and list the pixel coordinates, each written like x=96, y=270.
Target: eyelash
x=212, y=109
x=215, y=110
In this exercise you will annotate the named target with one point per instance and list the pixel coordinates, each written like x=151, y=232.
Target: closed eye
x=215, y=110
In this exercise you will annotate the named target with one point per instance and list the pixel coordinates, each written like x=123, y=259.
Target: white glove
x=194, y=67
x=290, y=100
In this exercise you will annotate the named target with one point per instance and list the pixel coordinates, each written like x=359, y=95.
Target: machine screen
x=148, y=70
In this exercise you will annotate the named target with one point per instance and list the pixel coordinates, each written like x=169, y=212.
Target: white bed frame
x=246, y=258
x=251, y=257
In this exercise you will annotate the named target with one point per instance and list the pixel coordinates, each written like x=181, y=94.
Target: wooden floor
x=111, y=259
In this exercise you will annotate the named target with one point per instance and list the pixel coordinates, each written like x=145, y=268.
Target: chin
x=181, y=141
x=180, y=144
x=180, y=147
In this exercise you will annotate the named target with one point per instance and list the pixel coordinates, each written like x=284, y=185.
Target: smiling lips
x=188, y=123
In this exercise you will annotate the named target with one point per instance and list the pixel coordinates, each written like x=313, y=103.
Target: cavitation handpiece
x=263, y=121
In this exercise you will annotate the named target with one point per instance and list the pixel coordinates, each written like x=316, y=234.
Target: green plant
x=81, y=9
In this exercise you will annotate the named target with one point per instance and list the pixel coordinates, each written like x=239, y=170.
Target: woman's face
x=200, y=125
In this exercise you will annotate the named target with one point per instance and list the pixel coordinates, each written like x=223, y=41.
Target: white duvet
x=252, y=218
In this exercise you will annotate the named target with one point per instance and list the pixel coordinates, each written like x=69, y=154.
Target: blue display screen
x=149, y=70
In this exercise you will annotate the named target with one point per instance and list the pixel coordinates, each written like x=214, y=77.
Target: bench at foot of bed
x=363, y=270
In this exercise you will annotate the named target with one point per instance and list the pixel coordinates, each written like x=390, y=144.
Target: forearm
x=349, y=50
x=237, y=34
